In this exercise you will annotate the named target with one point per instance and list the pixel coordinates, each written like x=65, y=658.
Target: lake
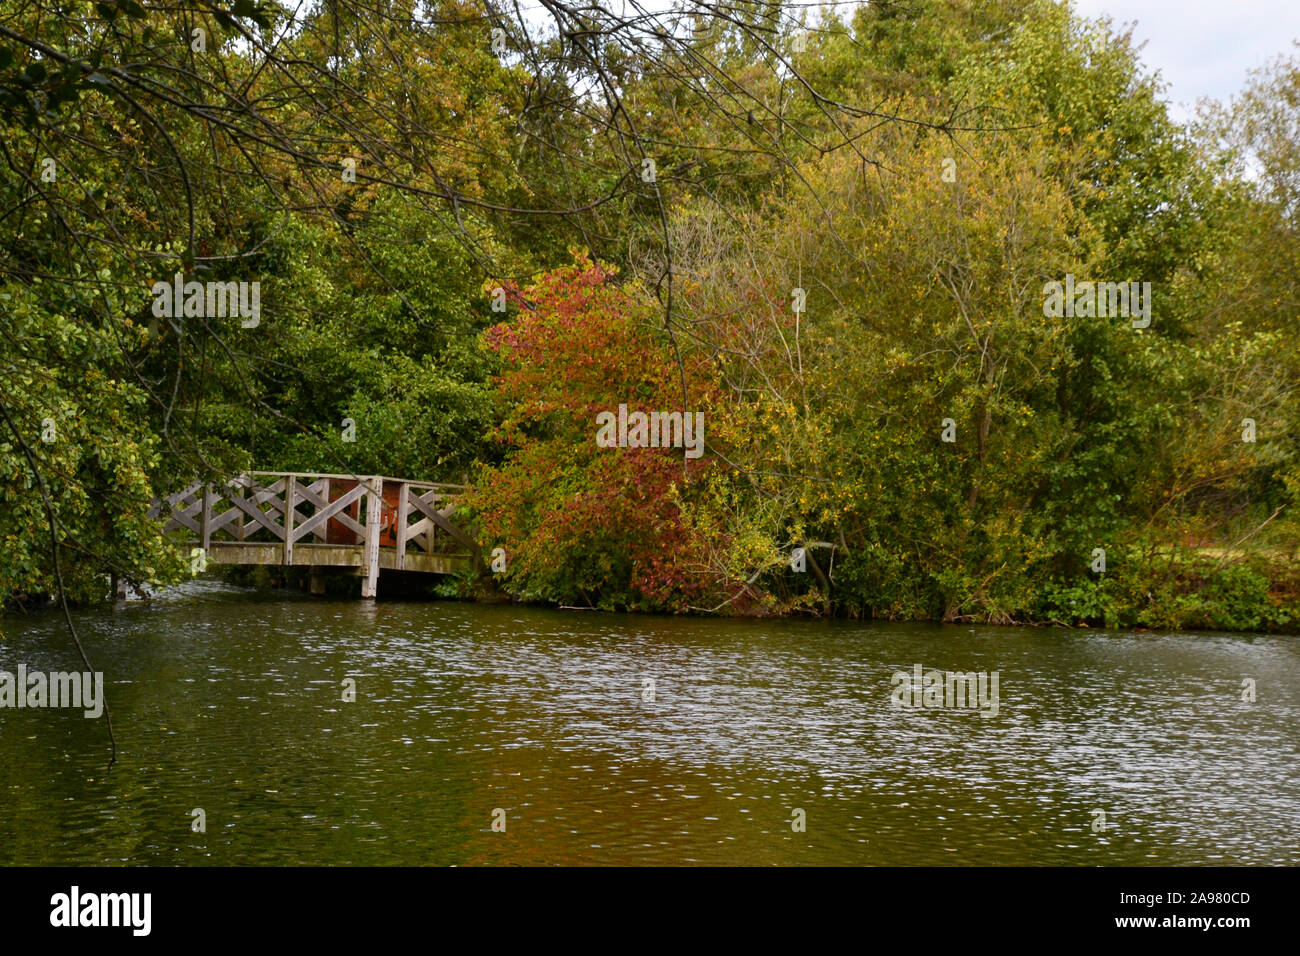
x=622, y=739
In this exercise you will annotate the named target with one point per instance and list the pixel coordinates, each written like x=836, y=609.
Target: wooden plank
x=232, y=494
x=205, y=533
x=421, y=533
x=268, y=495
x=184, y=519
x=334, y=509
x=218, y=522
x=183, y=510
x=444, y=524
x=315, y=475
x=290, y=490
x=249, y=507
x=374, y=502
x=270, y=552
x=179, y=500
x=328, y=488
x=233, y=515
x=317, y=495
x=399, y=535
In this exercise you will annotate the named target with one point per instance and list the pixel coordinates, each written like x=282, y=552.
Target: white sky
x=1203, y=48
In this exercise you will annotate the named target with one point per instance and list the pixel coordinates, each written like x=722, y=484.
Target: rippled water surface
x=230, y=701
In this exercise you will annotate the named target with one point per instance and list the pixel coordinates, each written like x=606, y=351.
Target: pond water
x=758, y=742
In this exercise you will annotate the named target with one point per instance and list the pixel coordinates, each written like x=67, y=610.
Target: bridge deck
x=332, y=556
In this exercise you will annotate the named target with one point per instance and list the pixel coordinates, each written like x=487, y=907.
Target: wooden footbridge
x=368, y=523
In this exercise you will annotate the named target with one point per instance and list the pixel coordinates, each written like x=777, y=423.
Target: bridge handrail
x=357, y=477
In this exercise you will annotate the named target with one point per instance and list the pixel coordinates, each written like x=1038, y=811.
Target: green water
x=231, y=701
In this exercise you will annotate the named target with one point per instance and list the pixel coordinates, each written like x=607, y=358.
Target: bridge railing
x=294, y=508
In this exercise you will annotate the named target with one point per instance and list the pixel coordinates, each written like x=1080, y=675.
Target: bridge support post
x=399, y=533
x=290, y=492
x=317, y=581
x=370, y=554
x=205, y=520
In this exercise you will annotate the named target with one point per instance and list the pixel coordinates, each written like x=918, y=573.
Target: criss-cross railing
x=367, y=522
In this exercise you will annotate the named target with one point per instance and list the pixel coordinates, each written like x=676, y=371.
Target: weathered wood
x=184, y=507
x=315, y=494
x=219, y=521
x=399, y=533
x=290, y=490
x=316, y=475
x=374, y=504
x=172, y=501
x=347, y=556
x=326, y=484
x=251, y=507
x=433, y=515
x=205, y=531
x=421, y=532
x=337, y=511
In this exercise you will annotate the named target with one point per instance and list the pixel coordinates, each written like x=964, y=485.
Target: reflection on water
x=232, y=702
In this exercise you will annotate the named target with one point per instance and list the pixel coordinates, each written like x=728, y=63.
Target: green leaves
x=240, y=9
x=111, y=9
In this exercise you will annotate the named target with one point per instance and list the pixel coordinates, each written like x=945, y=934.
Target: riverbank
x=1198, y=591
